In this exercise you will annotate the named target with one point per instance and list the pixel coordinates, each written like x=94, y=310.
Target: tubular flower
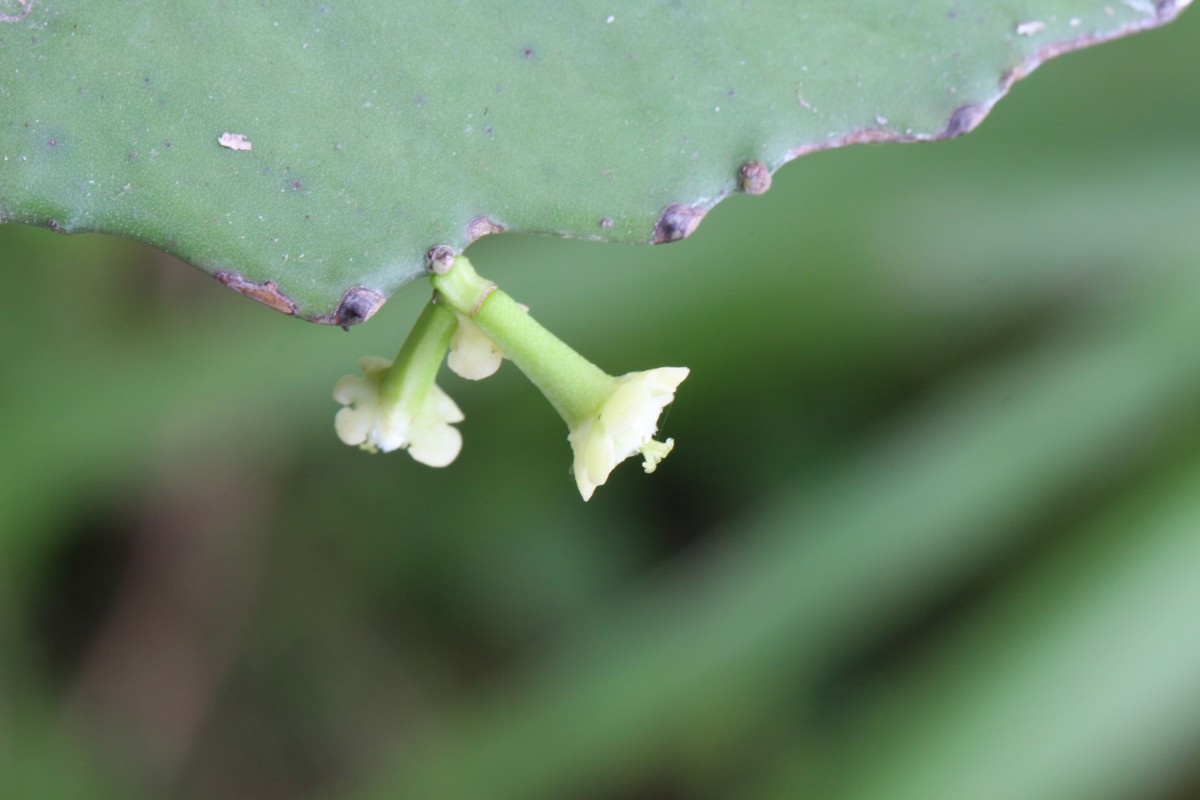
x=609, y=418
x=624, y=424
x=423, y=428
x=397, y=405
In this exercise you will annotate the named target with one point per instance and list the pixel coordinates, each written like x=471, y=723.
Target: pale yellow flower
x=472, y=354
x=423, y=428
x=624, y=424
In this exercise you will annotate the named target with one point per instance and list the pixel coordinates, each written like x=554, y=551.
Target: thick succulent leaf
x=311, y=154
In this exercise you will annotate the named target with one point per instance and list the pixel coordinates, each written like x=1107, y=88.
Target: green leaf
x=309, y=155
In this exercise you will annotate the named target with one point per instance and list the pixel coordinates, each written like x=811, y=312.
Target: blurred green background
x=931, y=528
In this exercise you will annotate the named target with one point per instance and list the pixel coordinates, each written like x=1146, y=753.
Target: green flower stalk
x=610, y=418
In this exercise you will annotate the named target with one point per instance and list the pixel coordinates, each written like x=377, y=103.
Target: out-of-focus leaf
x=823, y=570
x=1081, y=681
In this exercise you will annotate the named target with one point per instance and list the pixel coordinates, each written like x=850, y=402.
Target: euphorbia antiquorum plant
x=316, y=158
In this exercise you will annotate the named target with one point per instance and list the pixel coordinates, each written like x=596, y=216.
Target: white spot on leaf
x=1030, y=28
x=235, y=141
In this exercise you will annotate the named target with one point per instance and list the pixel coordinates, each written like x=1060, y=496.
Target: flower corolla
x=624, y=424
x=422, y=426
x=472, y=354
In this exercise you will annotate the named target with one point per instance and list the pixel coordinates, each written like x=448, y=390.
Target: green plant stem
x=574, y=386
x=416, y=366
